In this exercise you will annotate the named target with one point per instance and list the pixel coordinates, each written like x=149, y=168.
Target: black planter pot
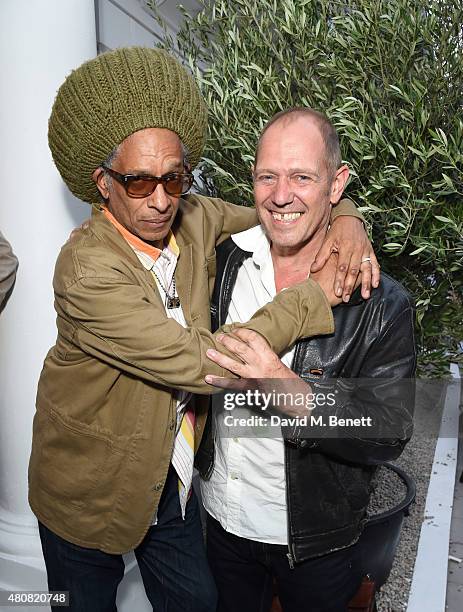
x=380, y=537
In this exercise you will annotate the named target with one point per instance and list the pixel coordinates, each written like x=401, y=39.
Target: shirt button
x=234, y=476
x=236, y=440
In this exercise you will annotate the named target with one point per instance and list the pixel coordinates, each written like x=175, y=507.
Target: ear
x=339, y=183
x=100, y=179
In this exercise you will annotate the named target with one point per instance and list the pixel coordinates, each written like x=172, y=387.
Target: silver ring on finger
x=366, y=259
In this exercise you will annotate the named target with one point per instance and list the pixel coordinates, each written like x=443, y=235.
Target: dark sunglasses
x=141, y=186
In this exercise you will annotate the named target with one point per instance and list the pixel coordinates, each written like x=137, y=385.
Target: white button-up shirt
x=246, y=492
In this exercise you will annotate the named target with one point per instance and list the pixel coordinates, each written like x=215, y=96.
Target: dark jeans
x=171, y=558
x=244, y=571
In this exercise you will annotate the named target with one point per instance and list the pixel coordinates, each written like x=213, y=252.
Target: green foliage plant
x=389, y=74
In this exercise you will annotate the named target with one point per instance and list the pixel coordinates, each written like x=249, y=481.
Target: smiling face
x=154, y=152
x=293, y=186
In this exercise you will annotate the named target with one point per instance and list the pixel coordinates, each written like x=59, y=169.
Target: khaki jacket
x=8, y=267
x=105, y=423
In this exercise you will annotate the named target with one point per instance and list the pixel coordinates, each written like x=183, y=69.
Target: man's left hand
x=348, y=238
x=254, y=360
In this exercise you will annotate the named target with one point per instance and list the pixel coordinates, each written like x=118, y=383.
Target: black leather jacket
x=328, y=480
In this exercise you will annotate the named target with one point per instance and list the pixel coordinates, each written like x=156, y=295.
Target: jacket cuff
x=321, y=320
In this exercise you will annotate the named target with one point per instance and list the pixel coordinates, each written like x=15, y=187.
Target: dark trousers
x=171, y=558
x=244, y=571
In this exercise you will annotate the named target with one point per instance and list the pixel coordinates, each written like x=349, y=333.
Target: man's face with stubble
x=294, y=186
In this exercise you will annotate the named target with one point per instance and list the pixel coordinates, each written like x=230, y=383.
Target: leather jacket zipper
x=228, y=263
x=290, y=560
x=291, y=554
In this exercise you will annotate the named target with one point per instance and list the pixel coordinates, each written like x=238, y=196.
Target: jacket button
x=158, y=486
x=172, y=425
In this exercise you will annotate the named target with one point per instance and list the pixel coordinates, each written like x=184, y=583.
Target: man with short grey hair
x=291, y=508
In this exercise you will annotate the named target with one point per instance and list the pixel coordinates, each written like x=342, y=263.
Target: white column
x=41, y=41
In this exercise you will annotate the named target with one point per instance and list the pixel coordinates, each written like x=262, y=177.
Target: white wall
x=40, y=42
x=128, y=22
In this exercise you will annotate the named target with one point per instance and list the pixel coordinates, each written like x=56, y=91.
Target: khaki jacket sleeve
x=225, y=218
x=8, y=267
x=345, y=207
x=230, y=218
x=110, y=318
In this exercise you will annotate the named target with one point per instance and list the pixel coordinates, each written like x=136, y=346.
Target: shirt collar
x=147, y=253
x=255, y=241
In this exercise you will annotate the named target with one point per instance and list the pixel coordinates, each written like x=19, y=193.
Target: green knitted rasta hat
x=114, y=95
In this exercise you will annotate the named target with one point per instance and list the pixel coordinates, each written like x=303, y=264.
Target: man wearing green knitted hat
x=116, y=426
